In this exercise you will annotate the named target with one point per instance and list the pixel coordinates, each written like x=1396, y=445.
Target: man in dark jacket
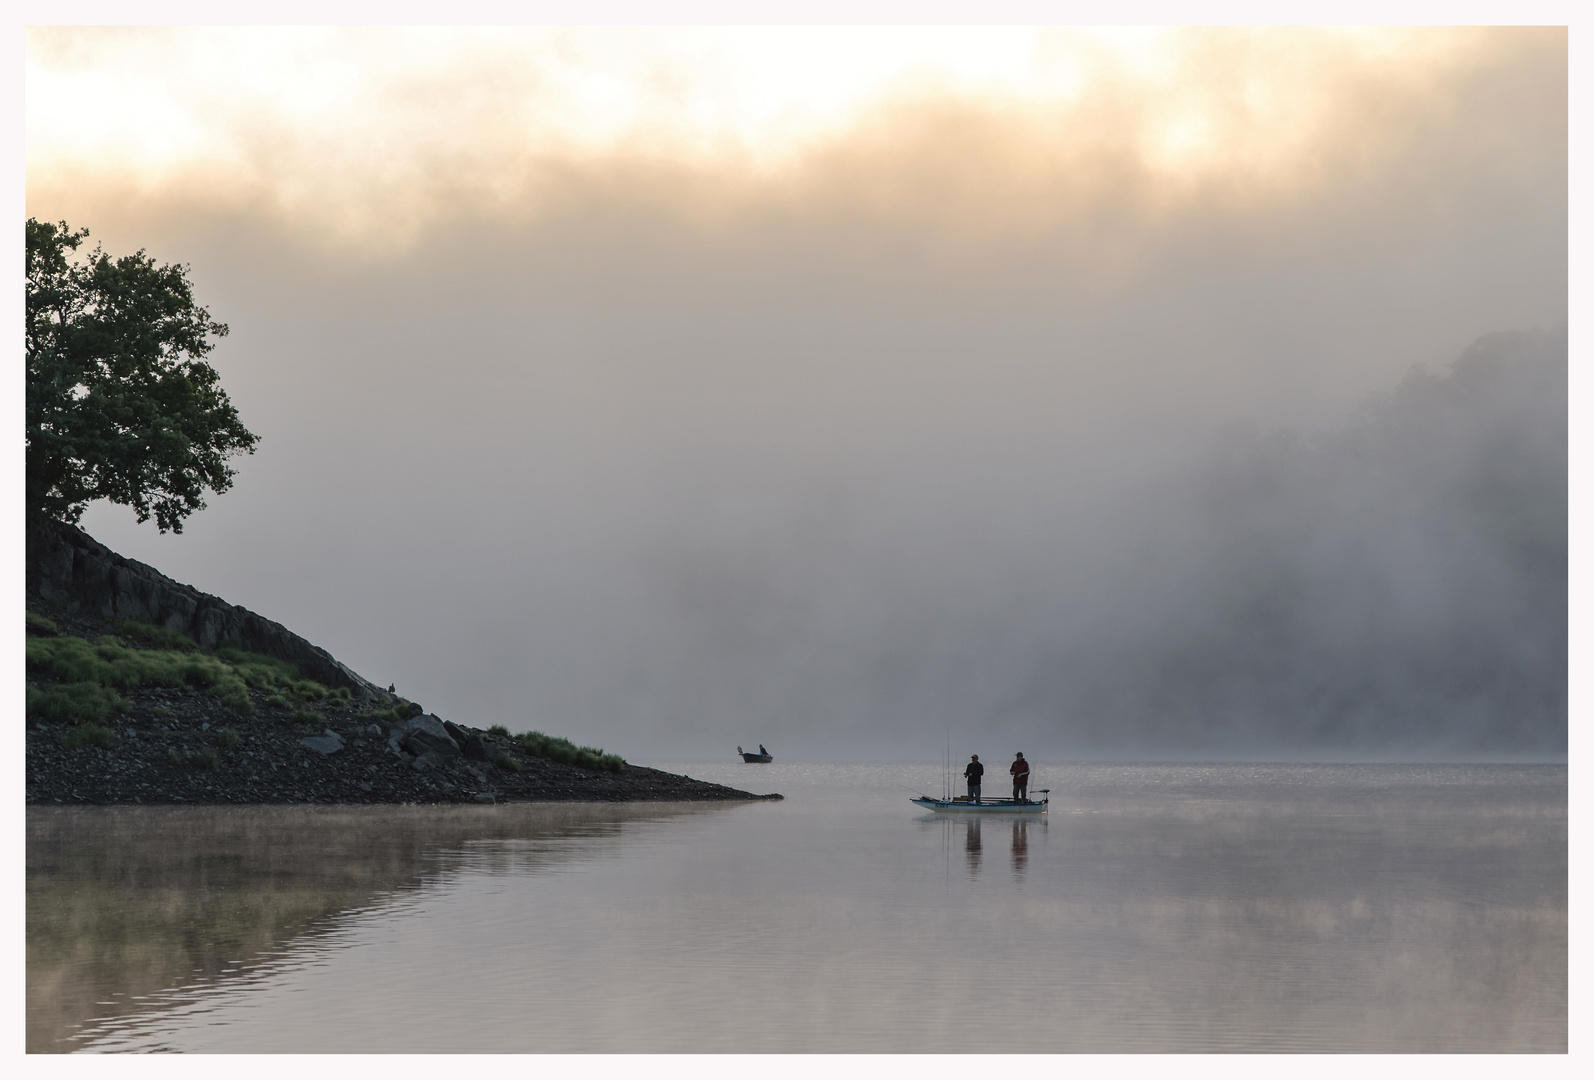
x=1020, y=771
x=973, y=772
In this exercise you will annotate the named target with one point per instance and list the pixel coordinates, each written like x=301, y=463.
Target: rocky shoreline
x=183, y=746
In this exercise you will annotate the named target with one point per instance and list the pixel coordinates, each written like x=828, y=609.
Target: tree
x=121, y=404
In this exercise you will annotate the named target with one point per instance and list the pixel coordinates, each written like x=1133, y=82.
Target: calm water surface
x=1157, y=907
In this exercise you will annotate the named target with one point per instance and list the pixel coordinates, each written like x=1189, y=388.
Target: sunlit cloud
x=379, y=130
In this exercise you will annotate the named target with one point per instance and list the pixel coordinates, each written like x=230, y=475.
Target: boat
x=761, y=758
x=962, y=804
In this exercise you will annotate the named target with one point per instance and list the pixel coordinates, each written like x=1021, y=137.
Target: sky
x=1094, y=392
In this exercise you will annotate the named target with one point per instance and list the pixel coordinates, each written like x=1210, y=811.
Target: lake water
x=1155, y=908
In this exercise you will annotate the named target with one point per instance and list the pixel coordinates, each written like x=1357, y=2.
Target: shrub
x=206, y=759
x=161, y=710
x=506, y=763
x=500, y=730
x=38, y=624
x=174, y=755
x=308, y=716
x=279, y=702
x=566, y=752
x=90, y=734
x=228, y=738
x=74, y=703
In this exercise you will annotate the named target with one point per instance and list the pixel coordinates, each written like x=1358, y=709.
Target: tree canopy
x=121, y=404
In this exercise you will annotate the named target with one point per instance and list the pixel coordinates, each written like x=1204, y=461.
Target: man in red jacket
x=1020, y=771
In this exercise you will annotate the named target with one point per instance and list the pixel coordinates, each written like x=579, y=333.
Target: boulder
x=470, y=743
x=426, y=733
x=330, y=743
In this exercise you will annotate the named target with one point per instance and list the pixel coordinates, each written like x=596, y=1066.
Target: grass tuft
x=566, y=752
x=506, y=763
x=500, y=730
x=228, y=737
x=206, y=759
x=146, y=655
x=74, y=702
x=90, y=734
x=155, y=637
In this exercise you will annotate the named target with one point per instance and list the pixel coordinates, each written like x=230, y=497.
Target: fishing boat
x=761, y=758
x=949, y=803
x=962, y=804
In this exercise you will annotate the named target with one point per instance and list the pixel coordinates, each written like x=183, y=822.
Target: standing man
x=1020, y=771
x=974, y=772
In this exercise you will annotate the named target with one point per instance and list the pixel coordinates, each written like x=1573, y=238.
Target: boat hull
x=989, y=806
x=757, y=759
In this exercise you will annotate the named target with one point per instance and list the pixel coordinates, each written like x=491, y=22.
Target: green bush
x=308, y=716
x=74, y=702
x=174, y=755
x=90, y=734
x=228, y=737
x=566, y=752
x=500, y=730
x=506, y=763
x=277, y=701
x=206, y=759
x=38, y=624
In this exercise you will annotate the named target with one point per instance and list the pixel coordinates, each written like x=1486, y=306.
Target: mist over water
x=963, y=427
x=1153, y=908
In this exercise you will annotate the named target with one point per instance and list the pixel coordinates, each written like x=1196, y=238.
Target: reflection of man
x=1020, y=771
x=973, y=772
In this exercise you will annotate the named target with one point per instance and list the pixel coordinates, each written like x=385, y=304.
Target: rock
x=329, y=743
x=375, y=729
x=470, y=743
x=426, y=733
x=432, y=759
x=74, y=573
x=483, y=797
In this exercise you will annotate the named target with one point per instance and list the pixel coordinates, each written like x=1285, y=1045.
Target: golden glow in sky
x=330, y=120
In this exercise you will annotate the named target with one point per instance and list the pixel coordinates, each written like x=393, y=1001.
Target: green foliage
x=111, y=664
x=74, y=702
x=278, y=701
x=92, y=670
x=506, y=763
x=271, y=674
x=500, y=730
x=308, y=716
x=38, y=624
x=161, y=710
x=155, y=637
x=228, y=737
x=90, y=734
x=206, y=758
x=174, y=755
x=566, y=752
x=121, y=404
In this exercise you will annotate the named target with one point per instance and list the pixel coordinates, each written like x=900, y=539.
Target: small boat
x=761, y=758
x=962, y=804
